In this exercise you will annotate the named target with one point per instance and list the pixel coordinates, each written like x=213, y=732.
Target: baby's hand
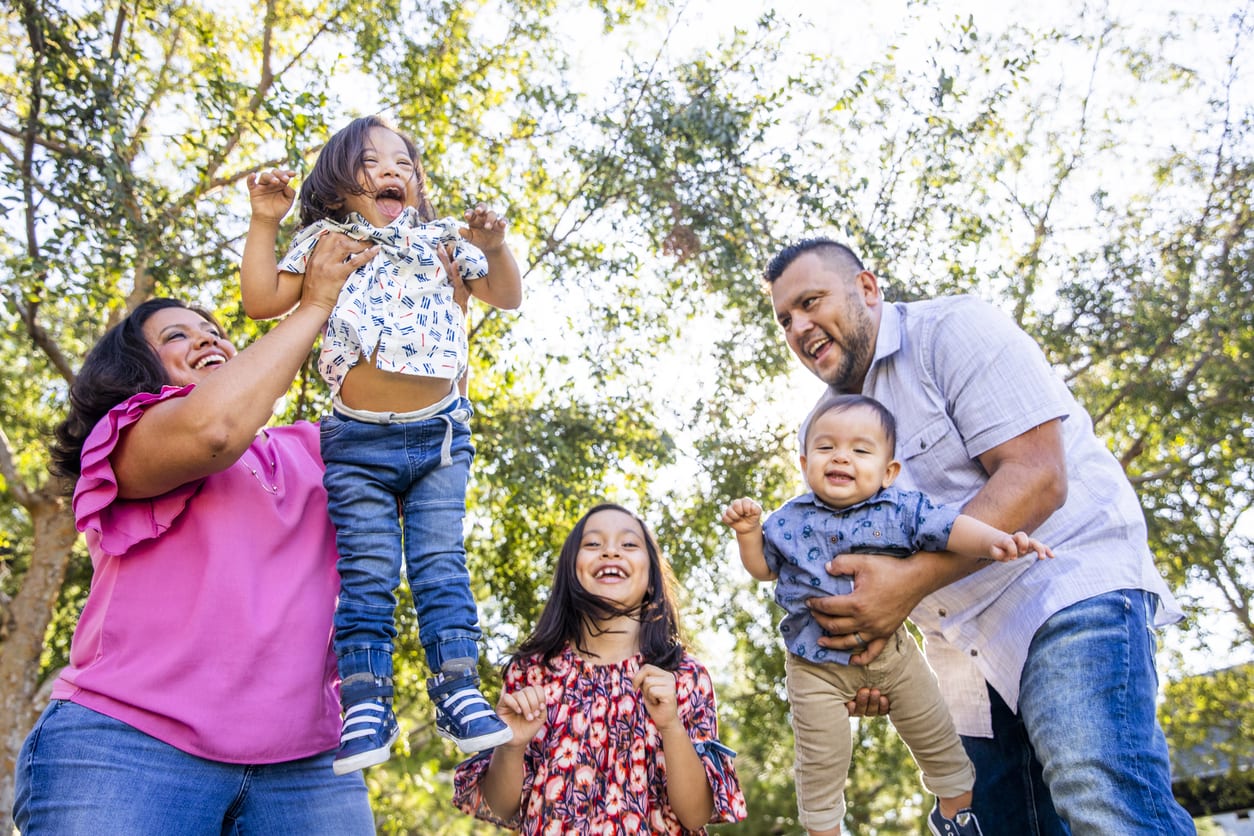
x=270, y=194
x=484, y=228
x=743, y=515
x=1017, y=545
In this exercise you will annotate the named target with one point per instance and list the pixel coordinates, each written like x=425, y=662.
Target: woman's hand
x=333, y=260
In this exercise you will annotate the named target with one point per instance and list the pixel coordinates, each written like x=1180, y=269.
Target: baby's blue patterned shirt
x=804, y=534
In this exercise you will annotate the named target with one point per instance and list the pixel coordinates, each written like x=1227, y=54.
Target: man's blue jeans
x=372, y=470
x=1086, y=739
x=81, y=773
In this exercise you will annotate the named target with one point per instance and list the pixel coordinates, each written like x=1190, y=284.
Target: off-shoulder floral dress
x=597, y=766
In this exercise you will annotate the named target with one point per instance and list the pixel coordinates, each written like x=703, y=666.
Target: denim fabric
x=1086, y=729
x=81, y=773
x=371, y=468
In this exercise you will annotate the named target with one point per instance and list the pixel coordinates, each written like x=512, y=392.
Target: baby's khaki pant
x=818, y=692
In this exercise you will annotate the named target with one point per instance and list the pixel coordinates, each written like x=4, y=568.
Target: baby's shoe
x=963, y=824
x=462, y=714
x=370, y=727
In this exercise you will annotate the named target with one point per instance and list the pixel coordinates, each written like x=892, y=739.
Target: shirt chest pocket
x=934, y=460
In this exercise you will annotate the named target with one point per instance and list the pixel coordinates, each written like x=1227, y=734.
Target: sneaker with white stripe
x=463, y=715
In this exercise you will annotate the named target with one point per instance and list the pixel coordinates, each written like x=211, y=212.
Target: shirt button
x=975, y=652
x=942, y=612
x=832, y=539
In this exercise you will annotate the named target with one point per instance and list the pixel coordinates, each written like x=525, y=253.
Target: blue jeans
x=81, y=773
x=1086, y=739
x=372, y=470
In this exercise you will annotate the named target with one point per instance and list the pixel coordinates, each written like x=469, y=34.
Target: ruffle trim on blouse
x=720, y=770
x=96, y=494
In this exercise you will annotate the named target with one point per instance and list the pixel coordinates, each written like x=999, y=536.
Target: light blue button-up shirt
x=962, y=378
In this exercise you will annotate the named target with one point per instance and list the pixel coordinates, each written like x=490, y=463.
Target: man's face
x=827, y=321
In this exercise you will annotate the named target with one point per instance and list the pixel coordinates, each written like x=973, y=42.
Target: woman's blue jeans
x=81, y=773
x=1085, y=753
x=388, y=496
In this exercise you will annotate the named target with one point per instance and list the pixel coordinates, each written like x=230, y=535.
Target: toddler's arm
x=972, y=537
x=264, y=292
x=502, y=287
x=744, y=516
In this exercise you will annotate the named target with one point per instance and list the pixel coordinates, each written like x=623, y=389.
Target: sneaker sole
x=470, y=745
x=343, y=766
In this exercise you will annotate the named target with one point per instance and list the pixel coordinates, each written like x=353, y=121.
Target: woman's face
x=613, y=560
x=188, y=345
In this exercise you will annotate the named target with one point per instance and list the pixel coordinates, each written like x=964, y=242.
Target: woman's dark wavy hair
x=571, y=609
x=120, y=365
x=337, y=173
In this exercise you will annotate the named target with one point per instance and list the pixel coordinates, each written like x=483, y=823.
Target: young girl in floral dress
x=615, y=727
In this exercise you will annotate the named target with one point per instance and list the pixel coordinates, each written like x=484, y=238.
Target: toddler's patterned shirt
x=400, y=303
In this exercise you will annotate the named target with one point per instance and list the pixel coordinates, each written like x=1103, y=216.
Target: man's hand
x=885, y=590
x=868, y=702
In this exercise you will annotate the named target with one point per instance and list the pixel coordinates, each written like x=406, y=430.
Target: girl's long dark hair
x=120, y=365
x=571, y=609
x=337, y=172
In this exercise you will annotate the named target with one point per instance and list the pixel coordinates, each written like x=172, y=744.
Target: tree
x=965, y=156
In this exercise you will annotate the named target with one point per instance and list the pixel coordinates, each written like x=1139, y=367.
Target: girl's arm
x=744, y=516
x=687, y=787
x=265, y=292
x=975, y=538
x=502, y=286
x=188, y=438
x=525, y=712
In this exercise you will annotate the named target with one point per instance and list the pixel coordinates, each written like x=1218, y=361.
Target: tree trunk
x=29, y=615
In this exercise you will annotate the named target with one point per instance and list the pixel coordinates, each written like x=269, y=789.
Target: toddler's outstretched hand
x=657, y=691
x=525, y=712
x=1017, y=545
x=270, y=193
x=484, y=228
x=743, y=515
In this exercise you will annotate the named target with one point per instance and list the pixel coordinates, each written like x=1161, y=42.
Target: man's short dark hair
x=834, y=253
x=843, y=403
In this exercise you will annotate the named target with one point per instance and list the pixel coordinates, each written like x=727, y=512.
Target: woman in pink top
x=200, y=695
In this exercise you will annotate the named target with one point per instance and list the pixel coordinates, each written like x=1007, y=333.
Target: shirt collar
x=812, y=499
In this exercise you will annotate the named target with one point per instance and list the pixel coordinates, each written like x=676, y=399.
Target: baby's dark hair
x=571, y=608
x=844, y=403
x=337, y=173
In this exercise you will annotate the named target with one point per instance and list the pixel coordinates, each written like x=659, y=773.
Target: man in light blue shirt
x=1050, y=673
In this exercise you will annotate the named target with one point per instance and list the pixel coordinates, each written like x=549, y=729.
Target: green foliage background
x=1088, y=172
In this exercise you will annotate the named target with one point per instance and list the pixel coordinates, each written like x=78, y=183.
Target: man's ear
x=891, y=472
x=869, y=286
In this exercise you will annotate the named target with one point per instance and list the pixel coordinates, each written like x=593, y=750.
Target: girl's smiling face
x=188, y=345
x=388, y=177
x=613, y=560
